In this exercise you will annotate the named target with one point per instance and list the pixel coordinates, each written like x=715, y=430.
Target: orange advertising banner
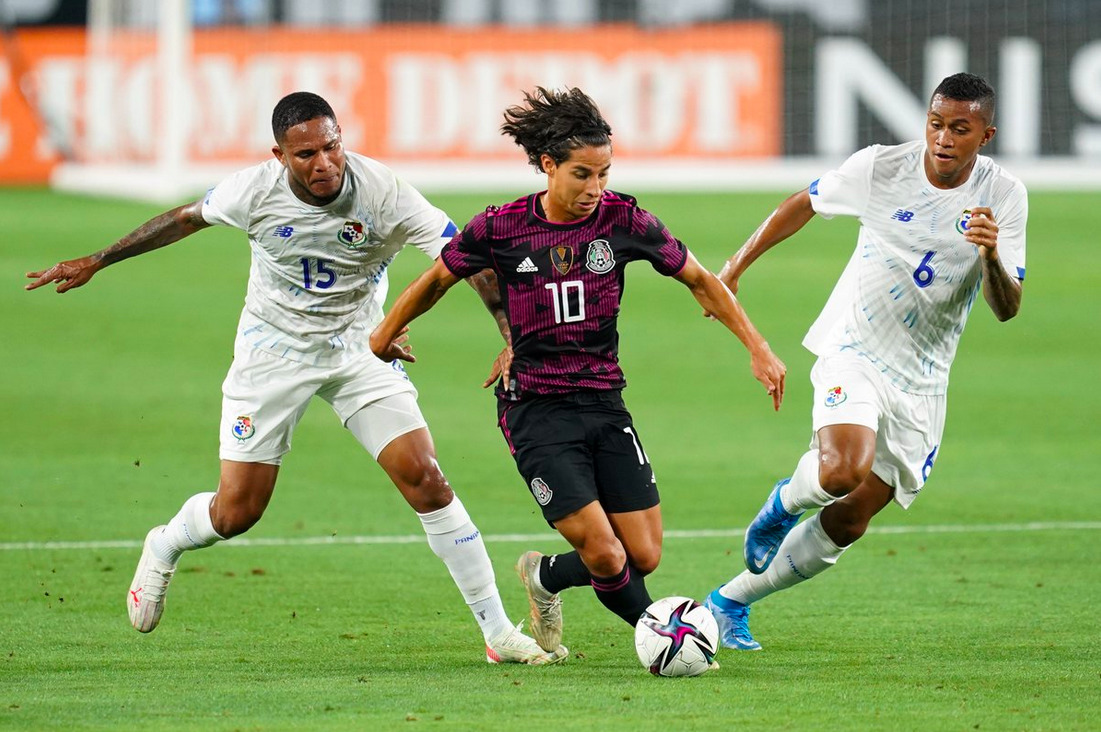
x=416, y=93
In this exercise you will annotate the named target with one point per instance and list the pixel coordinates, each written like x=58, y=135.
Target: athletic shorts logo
x=599, y=257
x=541, y=491
x=964, y=221
x=562, y=259
x=243, y=428
x=352, y=234
x=835, y=396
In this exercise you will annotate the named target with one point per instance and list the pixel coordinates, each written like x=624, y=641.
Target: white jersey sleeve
x=846, y=190
x=405, y=217
x=1011, y=216
x=230, y=202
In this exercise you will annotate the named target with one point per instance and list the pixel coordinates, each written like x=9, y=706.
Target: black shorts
x=573, y=449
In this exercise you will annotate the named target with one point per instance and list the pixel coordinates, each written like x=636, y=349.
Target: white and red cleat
x=145, y=601
x=512, y=646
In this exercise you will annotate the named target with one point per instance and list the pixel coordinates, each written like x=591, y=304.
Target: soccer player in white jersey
x=323, y=224
x=939, y=222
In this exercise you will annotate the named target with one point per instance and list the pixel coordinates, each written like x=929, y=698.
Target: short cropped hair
x=555, y=122
x=296, y=108
x=965, y=87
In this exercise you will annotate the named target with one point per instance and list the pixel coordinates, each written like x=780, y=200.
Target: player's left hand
x=771, y=372
x=982, y=231
x=500, y=368
x=397, y=350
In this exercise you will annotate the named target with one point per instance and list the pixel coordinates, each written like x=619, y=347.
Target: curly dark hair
x=296, y=108
x=965, y=87
x=555, y=123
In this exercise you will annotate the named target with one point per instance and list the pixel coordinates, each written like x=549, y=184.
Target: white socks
x=191, y=528
x=452, y=535
x=456, y=540
x=803, y=491
x=805, y=552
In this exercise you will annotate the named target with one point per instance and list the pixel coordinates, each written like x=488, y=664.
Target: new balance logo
x=903, y=215
x=527, y=266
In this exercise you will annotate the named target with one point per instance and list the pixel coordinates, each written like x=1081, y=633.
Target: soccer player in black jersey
x=559, y=259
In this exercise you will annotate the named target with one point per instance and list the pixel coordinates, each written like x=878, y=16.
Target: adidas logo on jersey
x=527, y=266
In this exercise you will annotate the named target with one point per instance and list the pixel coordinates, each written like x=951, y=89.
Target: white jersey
x=318, y=278
x=904, y=297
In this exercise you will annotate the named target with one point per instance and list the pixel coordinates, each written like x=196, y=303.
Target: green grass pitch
x=977, y=609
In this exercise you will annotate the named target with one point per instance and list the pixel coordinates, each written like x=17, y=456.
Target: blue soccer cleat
x=733, y=620
x=767, y=532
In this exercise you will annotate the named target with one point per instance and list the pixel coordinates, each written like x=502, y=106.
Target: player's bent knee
x=606, y=560
x=646, y=561
x=840, y=475
x=230, y=521
x=428, y=491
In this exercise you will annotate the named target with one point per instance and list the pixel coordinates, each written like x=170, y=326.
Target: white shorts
x=848, y=389
x=264, y=397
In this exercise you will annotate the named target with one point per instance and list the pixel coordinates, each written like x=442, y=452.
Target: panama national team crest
x=352, y=234
x=964, y=221
x=835, y=396
x=243, y=428
x=562, y=259
x=599, y=257
x=541, y=491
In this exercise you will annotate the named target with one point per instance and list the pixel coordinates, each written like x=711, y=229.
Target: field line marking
x=545, y=536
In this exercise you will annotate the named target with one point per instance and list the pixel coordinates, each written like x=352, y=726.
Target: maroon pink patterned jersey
x=561, y=285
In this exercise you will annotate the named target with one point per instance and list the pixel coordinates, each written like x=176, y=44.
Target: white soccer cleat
x=145, y=603
x=513, y=646
x=546, y=607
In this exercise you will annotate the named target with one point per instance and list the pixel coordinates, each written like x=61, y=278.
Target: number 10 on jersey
x=569, y=301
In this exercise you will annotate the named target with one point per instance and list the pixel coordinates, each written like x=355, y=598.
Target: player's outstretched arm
x=160, y=231
x=717, y=299
x=388, y=339
x=1001, y=291
x=790, y=216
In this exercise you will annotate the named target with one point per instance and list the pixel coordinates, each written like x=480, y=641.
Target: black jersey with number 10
x=561, y=285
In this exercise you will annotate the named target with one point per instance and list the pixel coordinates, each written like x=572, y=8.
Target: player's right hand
x=771, y=372
x=395, y=350
x=500, y=368
x=69, y=274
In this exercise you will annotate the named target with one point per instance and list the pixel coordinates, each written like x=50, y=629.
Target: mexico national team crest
x=243, y=428
x=599, y=257
x=964, y=221
x=562, y=259
x=835, y=396
x=352, y=234
x=541, y=491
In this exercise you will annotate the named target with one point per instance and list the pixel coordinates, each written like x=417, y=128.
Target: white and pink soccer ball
x=676, y=636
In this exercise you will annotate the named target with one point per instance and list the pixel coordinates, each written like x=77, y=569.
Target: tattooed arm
x=160, y=231
x=485, y=284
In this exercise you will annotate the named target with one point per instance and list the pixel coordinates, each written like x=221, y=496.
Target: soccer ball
x=676, y=636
